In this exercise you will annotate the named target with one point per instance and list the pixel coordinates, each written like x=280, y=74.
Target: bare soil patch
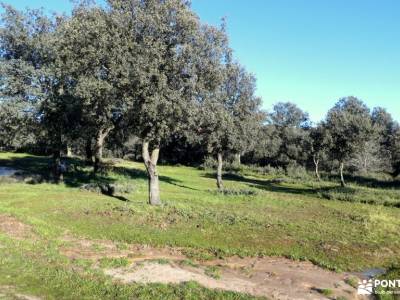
x=77, y=248
x=15, y=229
x=275, y=278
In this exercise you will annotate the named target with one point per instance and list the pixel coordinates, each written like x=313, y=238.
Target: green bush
x=209, y=163
x=297, y=172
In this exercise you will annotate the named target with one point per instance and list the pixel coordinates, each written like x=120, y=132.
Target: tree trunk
x=57, y=174
x=98, y=148
x=316, y=163
x=69, y=151
x=238, y=159
x=365, y=164
x=89, y=152
x=220, y=184
x=342, y=182
x=150, y=163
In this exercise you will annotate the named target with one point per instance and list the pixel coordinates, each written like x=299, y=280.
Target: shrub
x=269, y=170
x=107, y=188
x=297, y=172
x=209, y=163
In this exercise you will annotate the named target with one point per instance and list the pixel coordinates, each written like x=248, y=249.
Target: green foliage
x=349, y=125
x=326, y=292
x=297, y=172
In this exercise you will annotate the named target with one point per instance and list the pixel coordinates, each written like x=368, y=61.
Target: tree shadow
x=141, y=174
x=121, y=198
x=29, y=164
x=77, y=173
x=266, y=185
x=366, y=181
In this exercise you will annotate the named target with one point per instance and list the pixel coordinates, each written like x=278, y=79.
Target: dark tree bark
x=316, y=163
x=220, y=184
x=98, y=148
x=150, y=162
x=342, y=182
x=57, y=174
x=89, y=152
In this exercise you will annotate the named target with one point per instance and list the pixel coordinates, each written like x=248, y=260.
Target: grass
x=257, y=216
x=352, y=281
x=213, y=272
x=113, y=262
x=327, y=292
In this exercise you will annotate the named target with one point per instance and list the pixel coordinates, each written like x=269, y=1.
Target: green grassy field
x=256, y=216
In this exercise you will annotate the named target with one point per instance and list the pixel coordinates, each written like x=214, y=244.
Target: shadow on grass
x=366, y=181
x=140, y=174
x=345, y=194
x=79, y=174
x=266, y=185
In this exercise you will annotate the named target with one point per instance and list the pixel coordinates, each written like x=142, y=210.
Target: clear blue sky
x=310, y=52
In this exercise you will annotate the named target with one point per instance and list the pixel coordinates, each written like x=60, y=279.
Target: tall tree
x=231, y=116
x=289, y=129
x=31, y=75
x=384, y=132
x=93, y=54
x=395, y=150
x=164, y=31
x=318, y=145
x=349, y=124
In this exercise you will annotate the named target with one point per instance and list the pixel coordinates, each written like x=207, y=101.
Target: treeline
x=351, y=137
x=146, y=78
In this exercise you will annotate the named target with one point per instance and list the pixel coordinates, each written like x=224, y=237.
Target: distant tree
x=267, y=147
x=318, y=145
x=349, y=124
x=383, y=138
x=232, y=116
x=368, y=158
x=395, y=150
x=290, y=131
x=287, y=114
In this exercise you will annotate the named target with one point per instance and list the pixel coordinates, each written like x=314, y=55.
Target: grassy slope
x=288, y=219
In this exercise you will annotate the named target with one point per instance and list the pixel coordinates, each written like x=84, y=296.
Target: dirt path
x=275, y=278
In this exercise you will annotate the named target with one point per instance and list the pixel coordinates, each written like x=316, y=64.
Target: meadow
x=348, y=229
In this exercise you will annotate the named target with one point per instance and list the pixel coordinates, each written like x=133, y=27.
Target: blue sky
x=310, y=52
